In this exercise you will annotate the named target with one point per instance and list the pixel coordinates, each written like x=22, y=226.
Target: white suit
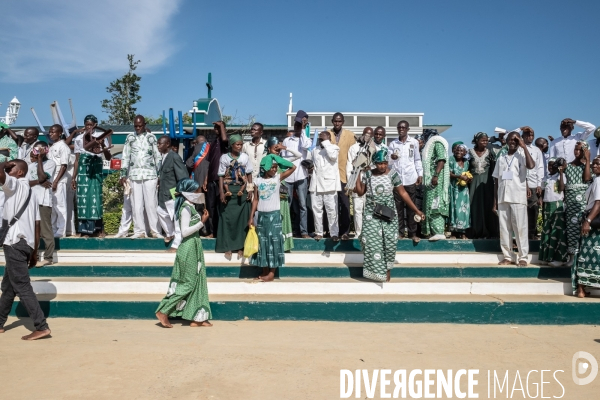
x=324, y=185
x=358, y=202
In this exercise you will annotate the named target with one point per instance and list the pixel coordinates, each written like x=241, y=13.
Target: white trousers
x=169, y=227
x=70, y=220
x=358, y=206
x=144, y=198
x=329, y=201
x=126, y=216
x=59, y=209
x=513, y=220
x=2, y=200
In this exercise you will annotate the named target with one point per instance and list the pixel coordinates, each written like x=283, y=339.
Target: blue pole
x=171, y=124
x=180, y=115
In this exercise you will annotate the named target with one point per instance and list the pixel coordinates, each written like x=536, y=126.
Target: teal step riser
x=404, y=312
x=94, y=244
x=300, y=272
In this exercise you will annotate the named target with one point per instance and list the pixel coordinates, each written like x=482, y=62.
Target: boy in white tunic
x=324, y=185
x=510, y=197
x=60, y=154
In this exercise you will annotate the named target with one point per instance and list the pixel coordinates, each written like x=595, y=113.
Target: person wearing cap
x=141, y=166
x=298, y=180
x=358, y=202
x=324, y=185
x=510, y=197
x=30, y=136
x=343, y=138
x=564, y=146
x=405, y=158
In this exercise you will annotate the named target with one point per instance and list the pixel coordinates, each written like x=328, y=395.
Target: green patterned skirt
x=89, y=187
x=553, y=246
x=379, y=240
x=187, y=296
x=586, y=269
x=270, y=240
x=574, y=207
x=233, y=221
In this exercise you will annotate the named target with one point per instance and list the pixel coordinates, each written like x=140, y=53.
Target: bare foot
x=268, y=278
x=2, y=330
x=35, y=335
x=265, y=272
x=505, y=262
x=389, y=275
x=463, y=237
x=228, y=194
x=169, y=238
x=580, y=292
x=171, y=250
x=240, y=254
x=164, y=320
x=228, y=255
x=240, y=193
x=195, y=324
x=210, y=236
x=522, y=263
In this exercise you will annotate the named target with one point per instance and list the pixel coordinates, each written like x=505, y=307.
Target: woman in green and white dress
x=578, y=176
x=459, y=214
x=187, y=296
x=587, y=267
x=379, y=237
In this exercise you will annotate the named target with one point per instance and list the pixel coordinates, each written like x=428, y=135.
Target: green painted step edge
x=301, y=272
x=530, y=313
x=461, y=246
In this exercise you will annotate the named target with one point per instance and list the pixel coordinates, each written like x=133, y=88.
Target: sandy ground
x=135, y=359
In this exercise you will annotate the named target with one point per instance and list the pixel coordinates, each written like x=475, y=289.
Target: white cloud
x=43, y=39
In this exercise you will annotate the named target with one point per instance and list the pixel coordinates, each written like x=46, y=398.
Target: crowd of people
x=412, y=187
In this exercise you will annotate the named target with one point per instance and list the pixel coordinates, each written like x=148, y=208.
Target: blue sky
x=473, y=64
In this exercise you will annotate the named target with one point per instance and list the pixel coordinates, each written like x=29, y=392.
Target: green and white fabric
x=378, y=237
x=270, y=240
x=89, y=187
x=586, y=270
x=435, y=199
x=141, y=159
x=13, y=151
x=187, y=296
x=574, y=204
x=553, y=246
x=460, y=206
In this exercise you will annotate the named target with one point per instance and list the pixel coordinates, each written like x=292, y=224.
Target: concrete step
x=312, y=286
x=163, y=270
x=473, y=309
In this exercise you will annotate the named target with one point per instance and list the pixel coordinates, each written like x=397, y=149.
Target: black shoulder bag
x=380, y=211
x=6, y=225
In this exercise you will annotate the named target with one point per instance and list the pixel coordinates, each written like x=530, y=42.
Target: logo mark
x=580, y=367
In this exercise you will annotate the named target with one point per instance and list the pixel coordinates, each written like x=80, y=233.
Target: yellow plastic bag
x=251, y=243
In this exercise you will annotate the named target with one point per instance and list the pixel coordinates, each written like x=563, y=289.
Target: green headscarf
x=267, y=163
x=90, y=117
x=184, y=185
x=455, y=144
x=380, y=156
x=235, y=138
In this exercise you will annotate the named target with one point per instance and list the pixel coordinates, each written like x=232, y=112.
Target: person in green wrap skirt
x=187, y=296
x=459, y=218
x=379, y=237
x=578, y=176
x=553, y=246
x=234, y=210
x=266, y=201
x=274, y=147
x=87, y=177
x=436, y=182
x=586, y=269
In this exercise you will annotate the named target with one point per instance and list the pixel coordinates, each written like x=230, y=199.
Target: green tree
x=187, y=119
x=124, y=95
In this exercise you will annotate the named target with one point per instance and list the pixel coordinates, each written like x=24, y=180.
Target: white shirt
x=226, y=160
x=16, y=192
x=564, y=147
x=512, y=190
x=268, y=193
x=44, y=196
x=408, y=165
x=592, y=194
x=255, y=154
x=25, y=151
x=536, y=175
x=78, y=144
x=60, y=153
x=326, y=174
x=301, y=145
x=551, y=188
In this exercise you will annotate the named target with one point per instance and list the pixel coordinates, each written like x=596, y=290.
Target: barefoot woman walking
x=187, y=296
